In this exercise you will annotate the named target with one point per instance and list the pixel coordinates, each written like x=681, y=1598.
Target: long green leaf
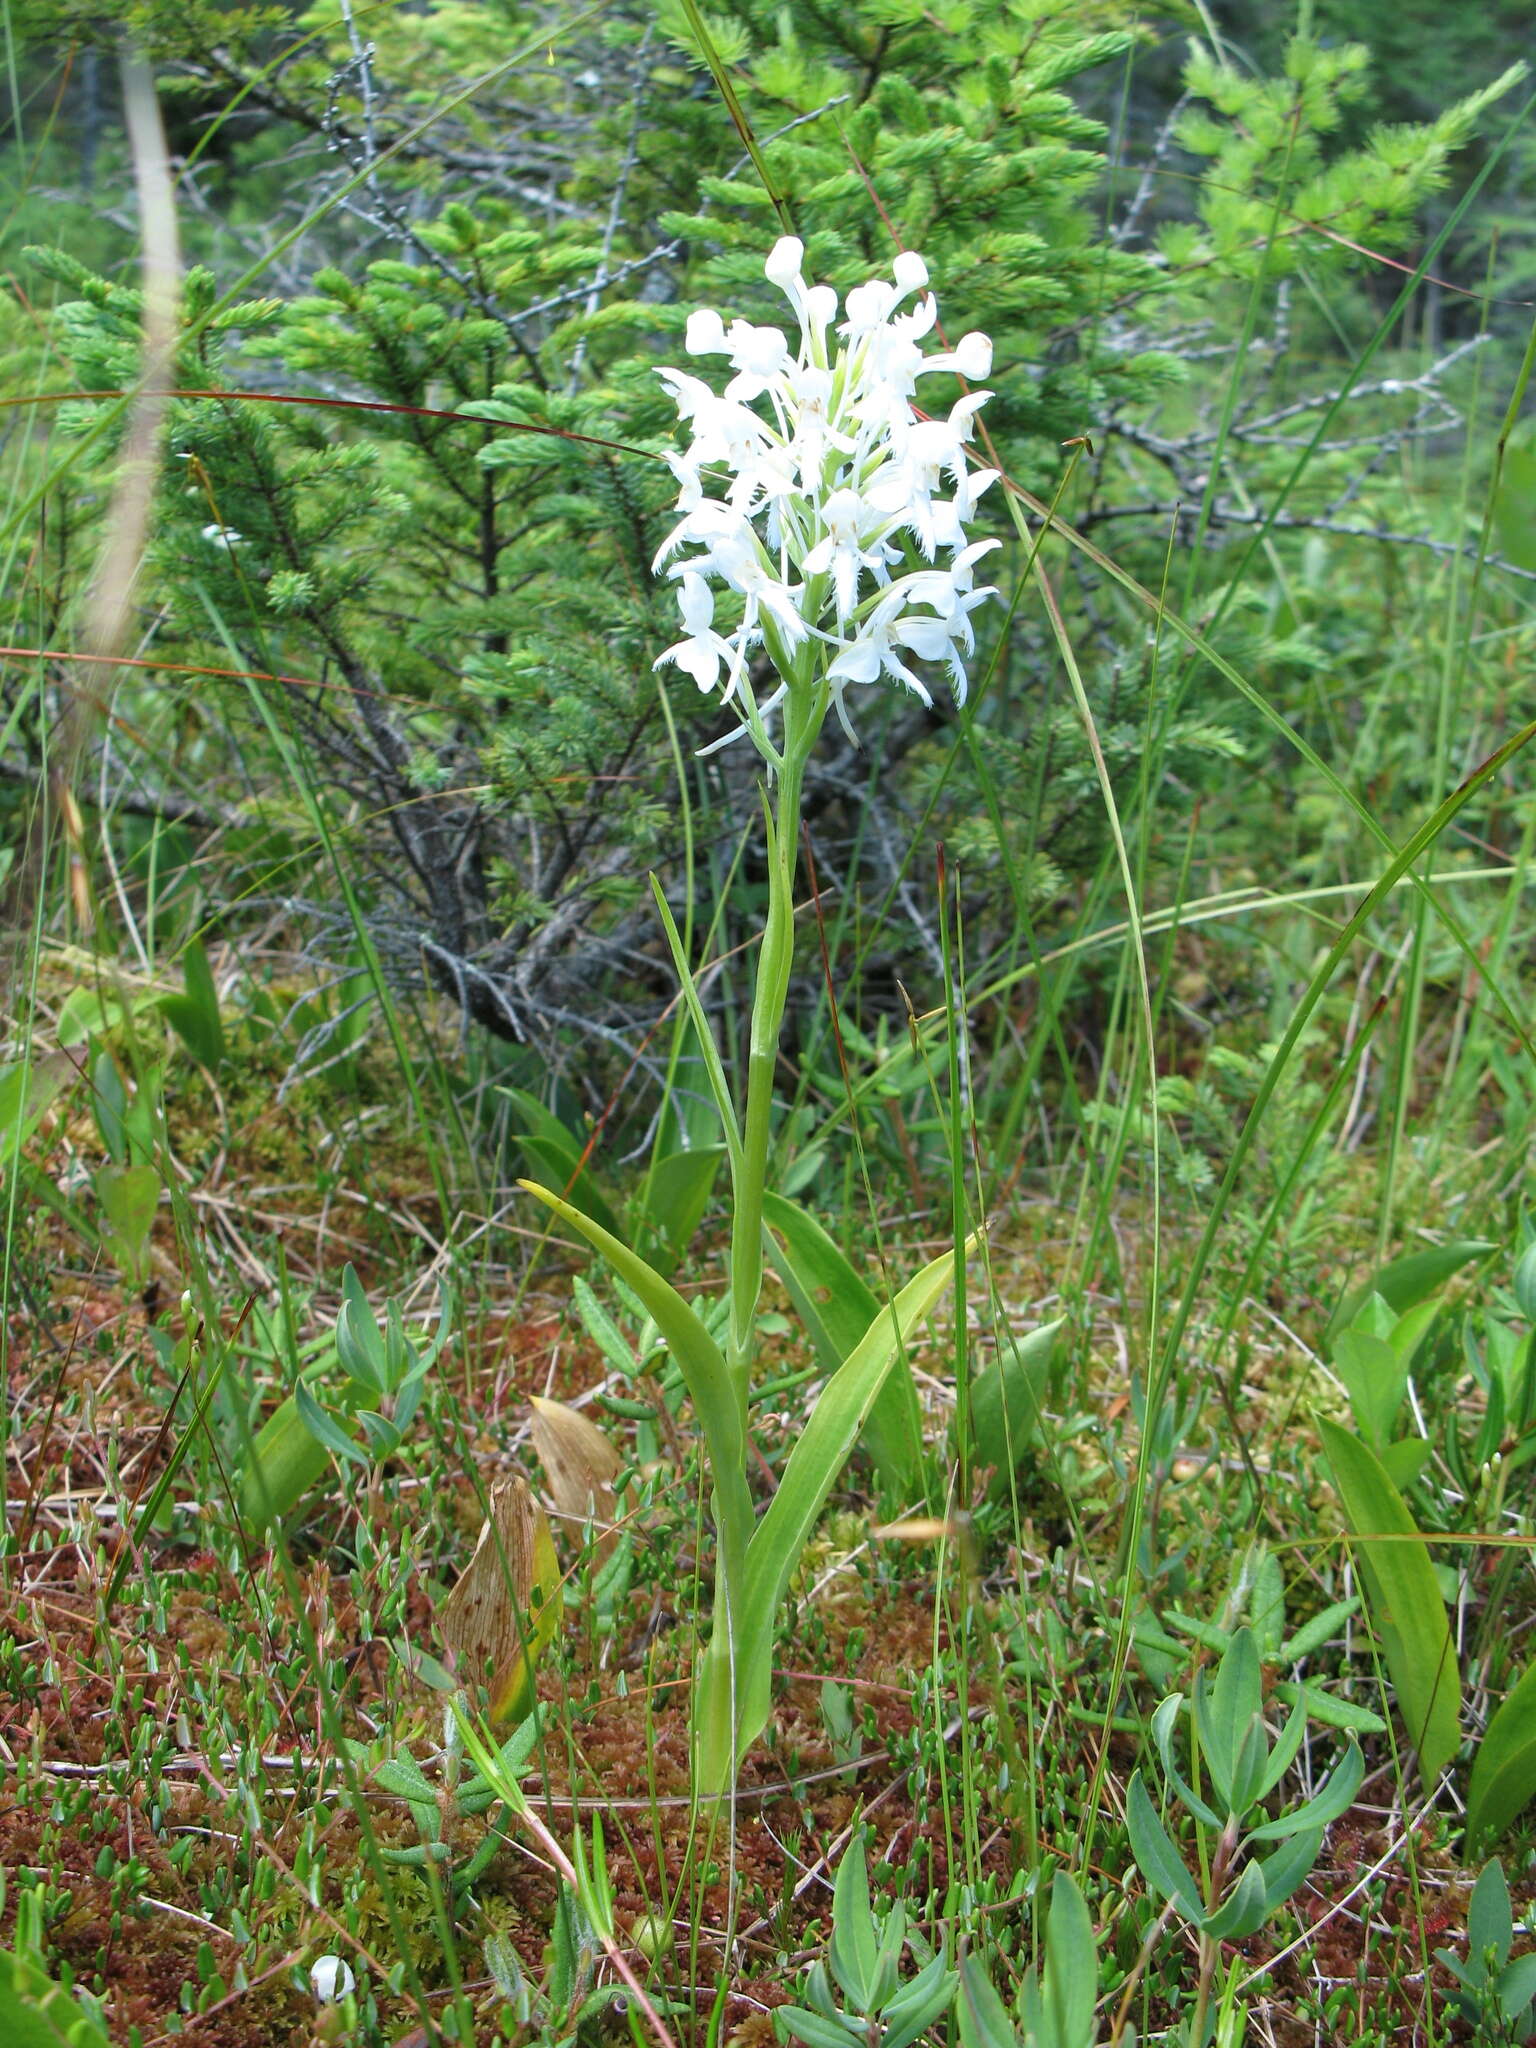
x=195, y=1016
x=1333, y=1797
x=27, y=1091
x=836, y=1308
x=326, y=1430
x=832, y=1300
x=1243, y=1911
x=1404, y=1599
x=1007, y=1401
x=1288, y=1866
x=732, y=1701
x=1331, y=1712
x=283, y=1461
x=1070, y=1984
x=984, y=2019
x=718, y=1403
x=678, y=1194
x=812, y=2028
x=1504, y=1769
x=855, y=1947
x=1404, y=1282
x=823, y=1446
x=1375, y=1378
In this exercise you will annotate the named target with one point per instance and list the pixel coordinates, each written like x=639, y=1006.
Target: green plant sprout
x=865, y=1961
x=382, y=1374
x=821, y=504
x=1057, y=2000
x=1231, y=1749
x=1496, y=1995
x=437, y=1809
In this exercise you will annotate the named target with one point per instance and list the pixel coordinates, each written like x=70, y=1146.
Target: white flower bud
x=784, y=261
x=331, y=1980
x=705, y=334
x=973, y=356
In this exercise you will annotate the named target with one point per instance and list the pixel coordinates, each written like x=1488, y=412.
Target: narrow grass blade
x=173, y=1463
x=709, y=1051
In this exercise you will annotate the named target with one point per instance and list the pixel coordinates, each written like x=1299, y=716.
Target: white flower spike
x=805, y=516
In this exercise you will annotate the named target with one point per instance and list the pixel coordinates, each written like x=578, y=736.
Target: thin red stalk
x=424, y=412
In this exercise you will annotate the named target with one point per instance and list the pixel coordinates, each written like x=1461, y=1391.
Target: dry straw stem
x=109, y=598
x=111, y=595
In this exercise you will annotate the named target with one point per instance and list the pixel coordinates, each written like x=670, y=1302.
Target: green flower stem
x=741, y=1704
x=804, y=711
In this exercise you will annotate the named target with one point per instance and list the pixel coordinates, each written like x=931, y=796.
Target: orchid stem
x=775, y=961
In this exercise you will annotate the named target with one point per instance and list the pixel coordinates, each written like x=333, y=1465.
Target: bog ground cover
x=766, y=1101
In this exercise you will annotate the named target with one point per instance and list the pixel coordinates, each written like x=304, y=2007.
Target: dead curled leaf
x=505, y=1606
x=582, y=1465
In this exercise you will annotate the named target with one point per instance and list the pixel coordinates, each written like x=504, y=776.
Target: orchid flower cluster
x=819, y=500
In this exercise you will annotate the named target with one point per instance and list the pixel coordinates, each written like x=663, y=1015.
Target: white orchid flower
x=932, y=450
x=798, y=482
x=854, y=540
x=870, y=306
x=759, y=355
x=703, y=651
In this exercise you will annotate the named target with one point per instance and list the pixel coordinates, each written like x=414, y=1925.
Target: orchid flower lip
x=810, y=480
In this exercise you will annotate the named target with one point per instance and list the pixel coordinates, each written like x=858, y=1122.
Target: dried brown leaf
x=581, y=1463
x=505, y=1607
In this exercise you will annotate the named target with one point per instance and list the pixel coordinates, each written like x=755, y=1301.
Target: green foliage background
x=441, y=253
